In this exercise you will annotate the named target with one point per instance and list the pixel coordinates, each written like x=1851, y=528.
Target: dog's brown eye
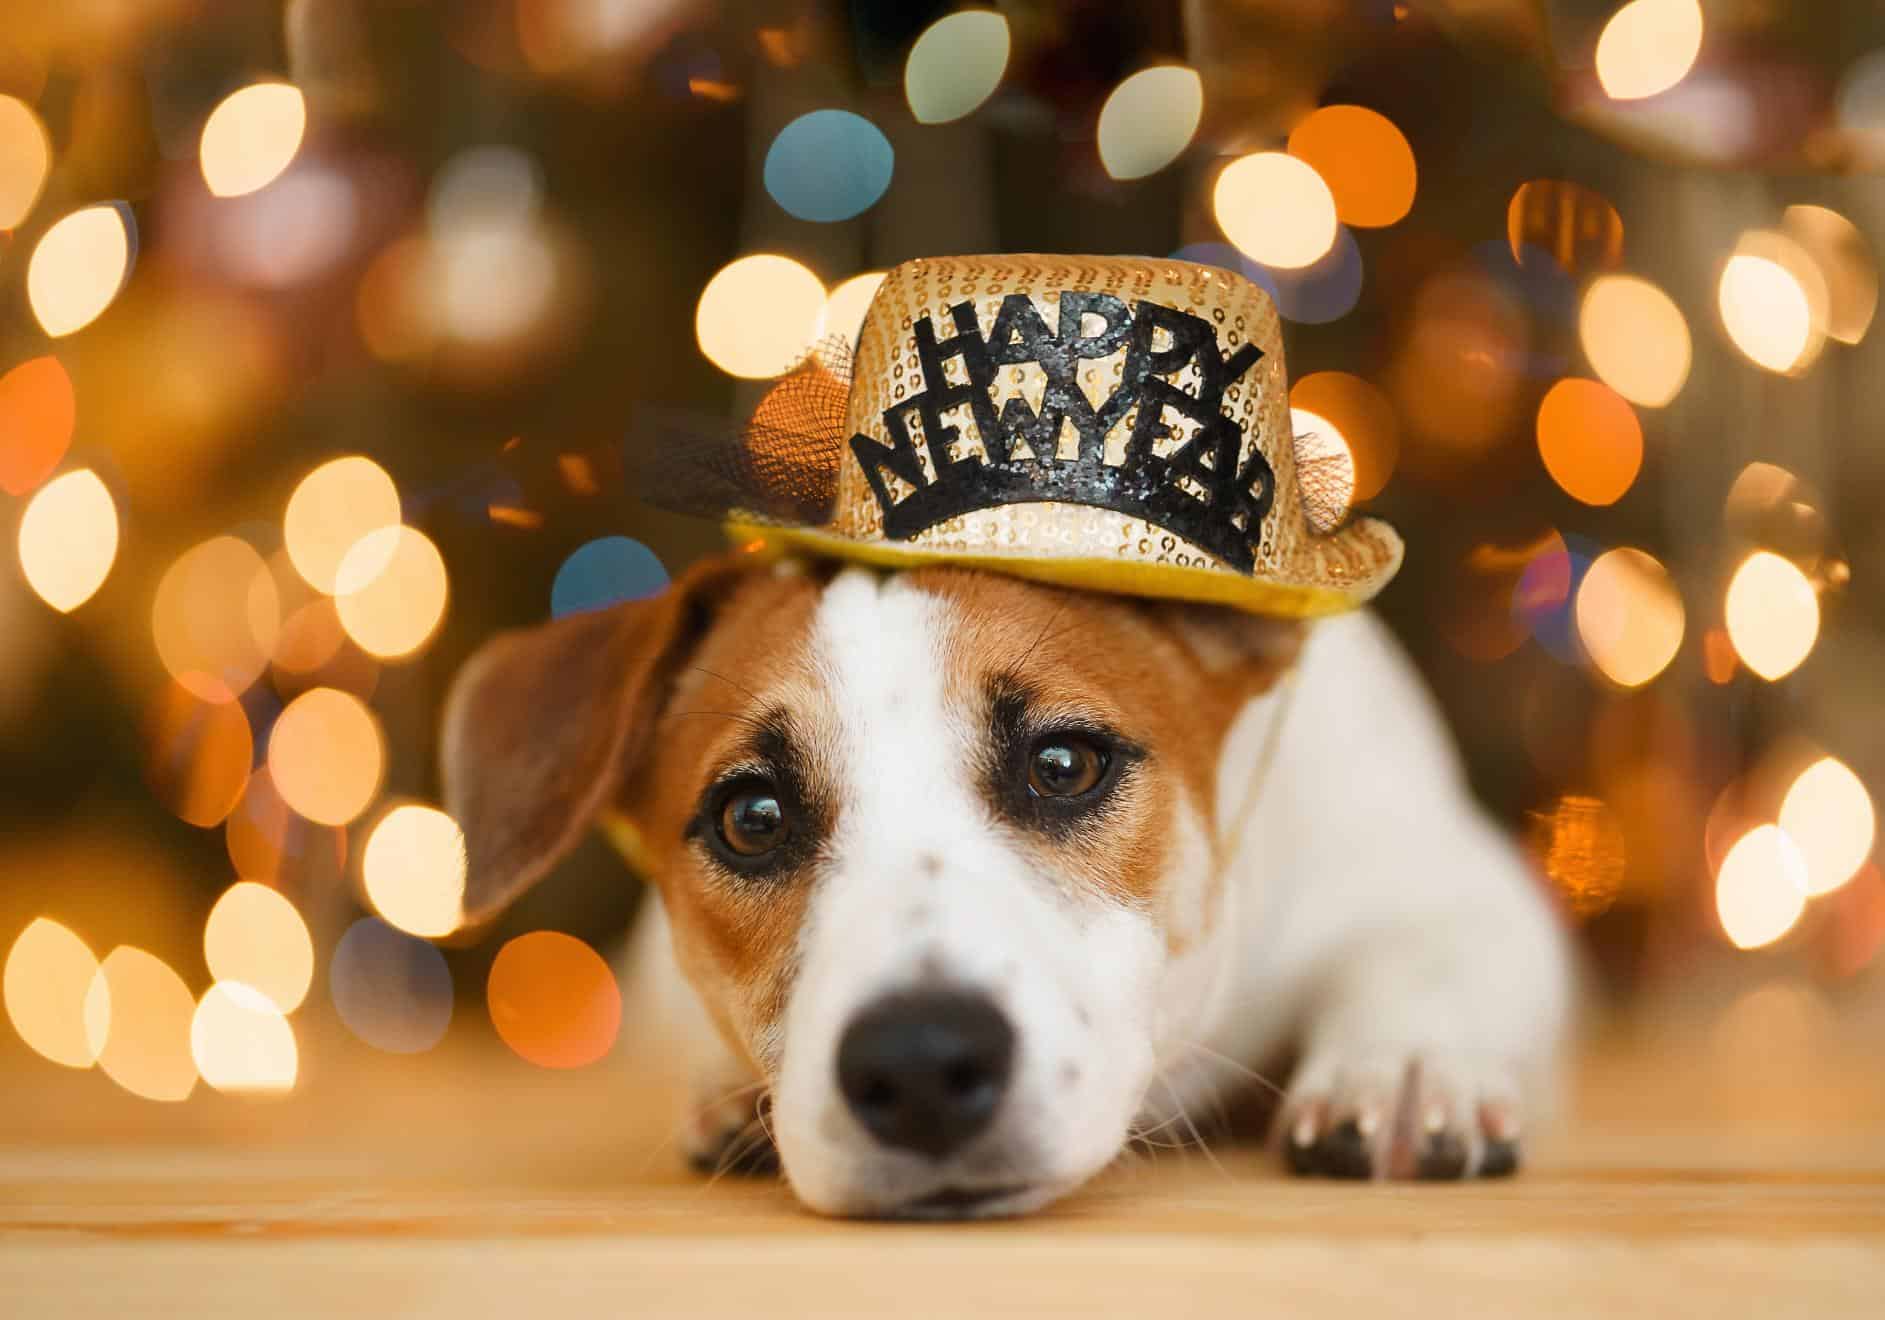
x=1064, y=766
x=752, y=822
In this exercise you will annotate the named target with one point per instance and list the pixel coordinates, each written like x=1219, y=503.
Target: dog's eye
x=752, y=821
x=1064, y=766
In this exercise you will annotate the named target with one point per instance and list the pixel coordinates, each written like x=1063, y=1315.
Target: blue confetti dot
x=828, y=165
x=606, y=572
x=393, y=991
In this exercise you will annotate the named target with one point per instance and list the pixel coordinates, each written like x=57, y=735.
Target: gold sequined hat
x=1112, y=423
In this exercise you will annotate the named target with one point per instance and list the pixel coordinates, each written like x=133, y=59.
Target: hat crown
x=1155, y=389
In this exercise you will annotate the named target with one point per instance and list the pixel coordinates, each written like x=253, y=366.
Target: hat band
x=1154, y=449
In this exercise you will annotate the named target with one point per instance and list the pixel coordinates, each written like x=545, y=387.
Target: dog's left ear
x=543, y=723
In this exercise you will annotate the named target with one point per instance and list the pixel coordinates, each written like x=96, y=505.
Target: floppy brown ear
x=542, y=723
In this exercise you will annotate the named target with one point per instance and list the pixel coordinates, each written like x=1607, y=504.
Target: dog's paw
x=732, y=1137
x=1413, y=1115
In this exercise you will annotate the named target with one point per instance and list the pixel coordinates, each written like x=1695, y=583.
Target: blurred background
x=324, y=327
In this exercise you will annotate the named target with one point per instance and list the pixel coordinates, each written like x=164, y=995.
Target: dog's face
x=937, y=849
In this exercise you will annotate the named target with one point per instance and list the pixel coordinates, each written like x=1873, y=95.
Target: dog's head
x=938, y=849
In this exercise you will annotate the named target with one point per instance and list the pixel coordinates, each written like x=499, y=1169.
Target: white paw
x=1400, y=1114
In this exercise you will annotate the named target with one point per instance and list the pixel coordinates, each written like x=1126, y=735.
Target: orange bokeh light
x=198, y=755
x=554, y=1000
x=37, y=413
x=1364, y=417
x=215, y=618
x=1576, y=225
x=326, y=755
x=1590, y=440
x=1363, y=158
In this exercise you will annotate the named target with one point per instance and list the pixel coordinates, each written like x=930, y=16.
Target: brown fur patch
x=1168, y=677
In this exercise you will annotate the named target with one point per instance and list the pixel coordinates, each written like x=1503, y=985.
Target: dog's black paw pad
x=1500, y=1159
x=1344, y=1152
x=1442, y=1158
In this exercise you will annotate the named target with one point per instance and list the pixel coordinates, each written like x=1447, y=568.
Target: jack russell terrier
x=966, y=876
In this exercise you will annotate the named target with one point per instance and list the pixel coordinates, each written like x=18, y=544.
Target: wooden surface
x=1700, y=1174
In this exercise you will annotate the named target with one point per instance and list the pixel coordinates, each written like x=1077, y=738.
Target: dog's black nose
x=924, y=1070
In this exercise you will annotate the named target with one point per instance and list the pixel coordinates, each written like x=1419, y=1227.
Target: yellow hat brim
x=1210, y=586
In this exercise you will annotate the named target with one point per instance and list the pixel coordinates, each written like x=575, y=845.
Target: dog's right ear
x=542, y=724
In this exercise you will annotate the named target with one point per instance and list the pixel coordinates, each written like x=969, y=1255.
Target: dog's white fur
x=1371, y=915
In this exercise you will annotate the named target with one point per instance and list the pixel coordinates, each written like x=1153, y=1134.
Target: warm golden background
x=324, y=332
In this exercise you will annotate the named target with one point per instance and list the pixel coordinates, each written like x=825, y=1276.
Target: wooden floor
x=1700, y=1174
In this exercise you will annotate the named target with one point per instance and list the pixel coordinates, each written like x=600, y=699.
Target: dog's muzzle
x=925, y=1070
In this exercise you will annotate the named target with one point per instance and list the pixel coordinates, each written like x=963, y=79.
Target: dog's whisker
x=1241, y=1070
x=1204, y=1147
x=732, y=683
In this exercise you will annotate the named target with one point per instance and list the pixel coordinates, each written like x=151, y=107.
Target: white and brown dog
x=973, y=878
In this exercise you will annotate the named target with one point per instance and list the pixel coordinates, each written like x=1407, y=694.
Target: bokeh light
x=1455, y=376
x=605, y=572
x=554, y=1000
x=738, y=337
x=79, y=266
x=390, y=591
x=391, y=990
x=1829, y=816
x=310, y=636
x=198, y=755
x=1647, y=47
x=1149, y=119
x=25, y=158
x=330, y=511
x=137, y=1020
x=1844, y=259
x=241, y=1043
x=48, y=973
x=1544, y=599
x=1765, y=311
x=1772, y=614
x=1276, y=209
x=1580, y=844
x=252, y=137
x=1575, y=226
x=267, y=842
x=1364, y=419
x=1363, y=158
x=956, y=65
x=484, y=185
x=37, y=413
x=325, y=756
x=1590, y=441
x=829, y=165
x=1325, y=290
x=68, y=539
x=255, y=936
x=1635, y=339
x=1760, y=890
x=1629, y=616
x=849, y=301
x=414, y=870
x=216, y=617
x=1861, y=102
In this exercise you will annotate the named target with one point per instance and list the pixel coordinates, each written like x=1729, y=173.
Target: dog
x=964, y=879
